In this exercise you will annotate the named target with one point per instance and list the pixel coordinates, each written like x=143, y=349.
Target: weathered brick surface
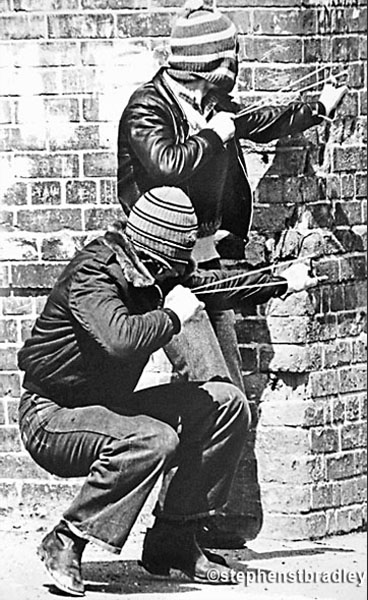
x=67, y=69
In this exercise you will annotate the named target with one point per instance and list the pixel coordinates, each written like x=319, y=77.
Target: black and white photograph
x=183, y=299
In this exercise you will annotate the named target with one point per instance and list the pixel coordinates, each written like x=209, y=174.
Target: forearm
x=269, y=123
x=220, y=289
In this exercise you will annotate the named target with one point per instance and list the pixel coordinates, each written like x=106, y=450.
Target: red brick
x=8, y=330
x=81, y=26
x=80, y=80
x=81, y=192
x=22, y=27
x=12, y=410
x=340, y=467
x=26, y=328
x=15, y=194
x=35, y=276
x=18, y=248
x=337, y=353
x=8, y=359
x=316, y=50
x=75, y=137
x=353, y=408
x=353, y=436
x=252, y=330
x=349, y=159
x=322, y=496
x=47, y=220
x=108, y=192
x=345, y=49
x=324, y=440
x=9, y=384
x=2, y=412
x=315, y=414
x=46, y=192
x=65, y=109
x=323, y=383
x=6, y=219
x=47, y=165
x=144, y=25
x=4, y=276
x=352, y=379
x=272, y=49
x=100, y=218
x=63, y=247
x=361, y=462
x=10, y=439
x=17, y=306
x=338, y=411
x=99, y=164
x=45, y=5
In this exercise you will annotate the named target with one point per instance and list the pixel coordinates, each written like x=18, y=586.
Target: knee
x=163, y=441
x=234, y=400
x=239, y=406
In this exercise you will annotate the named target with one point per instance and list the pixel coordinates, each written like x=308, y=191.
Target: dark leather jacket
x=103, y=320
x=155, y=149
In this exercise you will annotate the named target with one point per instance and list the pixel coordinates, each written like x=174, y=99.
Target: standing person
x=116, y=302
x=179, y=129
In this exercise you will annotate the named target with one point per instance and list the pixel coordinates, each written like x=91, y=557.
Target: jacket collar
x=134, y=270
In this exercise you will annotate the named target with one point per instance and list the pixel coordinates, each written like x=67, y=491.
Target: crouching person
x=80, y=416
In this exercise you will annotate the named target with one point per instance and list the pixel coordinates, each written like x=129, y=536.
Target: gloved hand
x=298, y=278
x=223, y=124
x=331, y=96
x=183, y=302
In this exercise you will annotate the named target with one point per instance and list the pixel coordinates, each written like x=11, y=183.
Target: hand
x=298, y=278
x=331, y=96
x=183, y=302
x=223, y=124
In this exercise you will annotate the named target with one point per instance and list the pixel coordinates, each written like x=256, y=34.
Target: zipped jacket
x=103, y=320
x=155, y=149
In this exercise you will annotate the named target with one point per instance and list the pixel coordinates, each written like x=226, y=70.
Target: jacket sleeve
x=105, y=322
x=270, y=123
x=242, y=290
x=150, y=130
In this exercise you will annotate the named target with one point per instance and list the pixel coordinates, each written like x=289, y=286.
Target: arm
x=269, y=123
x=149, y=129
x=104, y=321
x=247, y=288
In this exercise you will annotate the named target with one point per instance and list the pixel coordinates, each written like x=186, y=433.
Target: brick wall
x=67, y=68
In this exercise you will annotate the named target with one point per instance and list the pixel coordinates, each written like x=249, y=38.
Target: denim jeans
x=200, y=429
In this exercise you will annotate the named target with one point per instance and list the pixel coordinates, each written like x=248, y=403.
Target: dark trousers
x=123, y=450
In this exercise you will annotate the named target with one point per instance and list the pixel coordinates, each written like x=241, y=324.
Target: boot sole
x=42, y=554
x=166, y=574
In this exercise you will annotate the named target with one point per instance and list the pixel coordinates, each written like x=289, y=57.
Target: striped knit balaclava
x=163, y=224
x=204, y=44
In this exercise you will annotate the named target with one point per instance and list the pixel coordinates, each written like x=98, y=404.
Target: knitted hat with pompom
x=203, y=44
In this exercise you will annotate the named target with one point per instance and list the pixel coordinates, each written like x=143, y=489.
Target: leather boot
x=61, y=551
x=170, y=545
